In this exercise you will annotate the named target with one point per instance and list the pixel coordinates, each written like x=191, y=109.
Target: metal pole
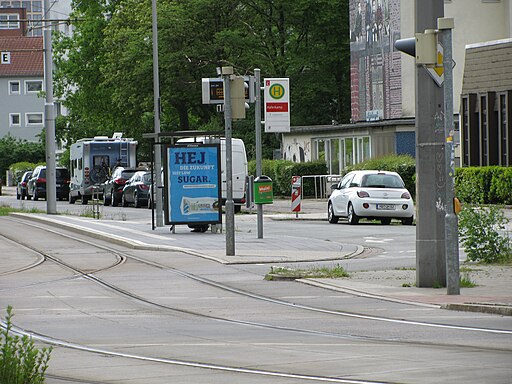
x=156, y=104
x=451, y=230
x=257, y=119
x=430, y=164
x=49, y=112
x=230, y=208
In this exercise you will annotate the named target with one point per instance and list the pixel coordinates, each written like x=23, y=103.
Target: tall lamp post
x=156, y=104
x=49, y=113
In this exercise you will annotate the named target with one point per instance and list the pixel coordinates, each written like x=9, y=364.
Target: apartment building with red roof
x=21, y=77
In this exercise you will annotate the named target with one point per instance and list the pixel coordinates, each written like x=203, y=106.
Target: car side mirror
x=334, y=186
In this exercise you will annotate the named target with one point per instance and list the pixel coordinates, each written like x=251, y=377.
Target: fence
x=318, y=186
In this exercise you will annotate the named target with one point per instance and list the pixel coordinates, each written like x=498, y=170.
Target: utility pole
x=430, y=163
x=227, y=72
x=257, y=119
x=49, y=113
x=445, y=26
x=156, y=105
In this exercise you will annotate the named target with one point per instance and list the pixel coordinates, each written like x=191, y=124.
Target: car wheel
x=106, y=199
x=352, y=217
x=385, y=221
x=333, y=219
x=408, y=221
x=18, y=196
x=23, y=195
x=71, y=199
x=84, y=199
x=124, y=203
x=115, y=203
x=36, y=197
x=136, y=200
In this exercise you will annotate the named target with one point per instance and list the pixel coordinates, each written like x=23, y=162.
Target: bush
x=281, y=172
x=20, y=361
x=18, y=169
x=484, y=185
x=479, y=233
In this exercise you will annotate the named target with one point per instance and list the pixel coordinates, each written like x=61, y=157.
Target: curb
x=495, y=309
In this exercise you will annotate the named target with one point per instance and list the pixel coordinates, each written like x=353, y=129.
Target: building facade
x=383, y=80
x=21, y=79
x=486, y=104
x=59, y=12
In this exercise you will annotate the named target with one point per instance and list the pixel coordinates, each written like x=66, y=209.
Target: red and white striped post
x=296, y=194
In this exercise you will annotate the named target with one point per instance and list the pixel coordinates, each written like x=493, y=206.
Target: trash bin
x=263, y=190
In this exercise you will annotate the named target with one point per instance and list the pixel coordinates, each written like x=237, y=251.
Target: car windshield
x=62, y=174
x=381, y=181
x=147, y=177
x=126, y=174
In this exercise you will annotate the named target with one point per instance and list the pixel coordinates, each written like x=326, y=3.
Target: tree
x=106, y=77
x=14, y=150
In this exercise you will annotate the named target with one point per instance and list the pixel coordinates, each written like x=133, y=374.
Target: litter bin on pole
x=263, y=190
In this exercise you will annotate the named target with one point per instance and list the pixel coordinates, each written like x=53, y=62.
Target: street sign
x=277, y=105
x=296, y=193
x=437, y=72
x=5, y=57
x=213, y=90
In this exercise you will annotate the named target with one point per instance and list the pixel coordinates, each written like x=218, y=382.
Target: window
x=14, y=87
x=9, y=21
x=484, y=159
x=33, y=86
x=35, y=118
x=14, y=120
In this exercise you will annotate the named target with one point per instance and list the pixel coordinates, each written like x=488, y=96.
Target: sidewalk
x=493, y=293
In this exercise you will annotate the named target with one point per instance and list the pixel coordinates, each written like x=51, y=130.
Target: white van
x=239, y=161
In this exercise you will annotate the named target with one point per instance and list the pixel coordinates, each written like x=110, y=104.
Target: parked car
x=152, y=191
x=21, y=188
x=36, y=186
x=371, y=195
x=136, y=190
x=113, y=187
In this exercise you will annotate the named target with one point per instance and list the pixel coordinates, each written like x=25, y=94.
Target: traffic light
x=423, y=47
x=237, y=97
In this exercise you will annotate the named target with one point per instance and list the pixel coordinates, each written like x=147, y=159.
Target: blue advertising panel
x=193, y=184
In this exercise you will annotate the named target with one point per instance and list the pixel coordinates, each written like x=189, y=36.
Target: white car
x=371, y=195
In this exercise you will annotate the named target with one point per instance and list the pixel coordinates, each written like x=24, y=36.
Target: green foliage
x=104, y=71
x=20, y=361
x=501, y=186
x=404, y=165
x=484, y=185
x=14, y=150
x=466, y=282
x=281, y=172
x=479, y=231
x=18, y=169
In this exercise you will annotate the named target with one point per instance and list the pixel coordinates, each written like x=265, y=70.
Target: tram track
x=123, y=257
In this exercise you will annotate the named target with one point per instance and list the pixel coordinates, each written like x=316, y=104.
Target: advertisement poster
x=193, y=184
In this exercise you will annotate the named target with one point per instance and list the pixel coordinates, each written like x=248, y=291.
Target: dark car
x=36, y=186
x=21, y=189
x=136, y=190
x=113, y=187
